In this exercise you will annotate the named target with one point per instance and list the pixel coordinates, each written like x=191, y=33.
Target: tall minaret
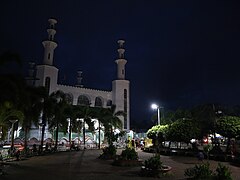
x=47, y=73
x=121, y=61
x=49, y=45
x=79, y=78
x=120, y=88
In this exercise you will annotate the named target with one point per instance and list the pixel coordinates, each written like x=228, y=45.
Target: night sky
x=179, y=53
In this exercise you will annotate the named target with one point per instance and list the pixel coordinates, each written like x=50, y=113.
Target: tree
x=31, y=106
x=183, y=130
x=204, y=116
x=152, y=134
x=8, y=112
x=228, y=126
x=110, y=120
x=158, y=134
x=59, y=114
x=85, y=113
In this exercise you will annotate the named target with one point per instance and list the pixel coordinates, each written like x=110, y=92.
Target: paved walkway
x=81, y=165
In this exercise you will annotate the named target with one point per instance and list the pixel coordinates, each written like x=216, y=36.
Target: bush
x=152, y=167
x=153, y=163
x=109, y=152
x=223, y=172
x=201, y=171
x=129, y=154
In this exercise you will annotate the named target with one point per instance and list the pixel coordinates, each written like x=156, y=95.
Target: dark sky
x=180, y=53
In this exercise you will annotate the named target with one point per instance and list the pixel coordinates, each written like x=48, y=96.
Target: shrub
x=201, y=171
x=223, y=172
x=207, y=149
x=152, y=167
x=129, y=154
x=109, y=152
x=153, y=163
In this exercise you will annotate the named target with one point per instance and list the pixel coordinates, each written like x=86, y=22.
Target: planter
x=155, y=172
x=165, y=168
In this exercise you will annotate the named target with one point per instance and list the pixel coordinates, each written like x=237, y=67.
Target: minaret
x=47, y=73
x=79, y=79
x=121, y=61
x=120, y=88
x=49, y=45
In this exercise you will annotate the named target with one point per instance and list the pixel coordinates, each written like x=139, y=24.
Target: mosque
x=46, y=74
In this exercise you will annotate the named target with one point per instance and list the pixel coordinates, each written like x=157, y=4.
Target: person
x=1, y=157
x=47, y=147
x=34, y=150
x=17, y=154
x=200, y=156
x=133, y=143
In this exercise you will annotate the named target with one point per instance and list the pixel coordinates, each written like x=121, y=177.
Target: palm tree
x=48, y=104
x=32, y=107
x=110, y=119
x=8, y=112
x=85, y=113
x=60, y=114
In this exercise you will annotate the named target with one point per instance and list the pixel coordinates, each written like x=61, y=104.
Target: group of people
x=135, y=143
x=14, y=152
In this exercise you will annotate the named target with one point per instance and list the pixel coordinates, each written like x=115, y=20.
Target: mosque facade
x=47, y=75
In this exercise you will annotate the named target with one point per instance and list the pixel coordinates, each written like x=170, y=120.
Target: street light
x=13, y=122
x=70, y=132
x=155, y=106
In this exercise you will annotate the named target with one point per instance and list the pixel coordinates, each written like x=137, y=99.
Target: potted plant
x=128, y=157
x=153, y=167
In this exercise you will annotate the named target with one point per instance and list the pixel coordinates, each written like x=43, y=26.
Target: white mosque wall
x=90, y=93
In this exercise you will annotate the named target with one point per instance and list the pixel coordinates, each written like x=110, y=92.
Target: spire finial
x=121, y=50
x=79, y=78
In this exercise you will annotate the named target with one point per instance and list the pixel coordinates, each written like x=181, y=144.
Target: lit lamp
x=13, y=122
x=155, y=106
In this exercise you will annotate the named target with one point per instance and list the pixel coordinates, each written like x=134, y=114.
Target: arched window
x=83, y=100
x=69, y=98
x=98, y=102
x=109, y=103
x=47, y=84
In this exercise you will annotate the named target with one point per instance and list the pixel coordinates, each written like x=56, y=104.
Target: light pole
x=70, y=132
x=155, y=106
x=13, y=122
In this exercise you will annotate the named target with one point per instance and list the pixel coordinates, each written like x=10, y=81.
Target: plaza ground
x=84, y=164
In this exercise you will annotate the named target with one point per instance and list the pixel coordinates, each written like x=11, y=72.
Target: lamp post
x=155, y=106
x=70, y=132
x=13, y=122
x=99, y=135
